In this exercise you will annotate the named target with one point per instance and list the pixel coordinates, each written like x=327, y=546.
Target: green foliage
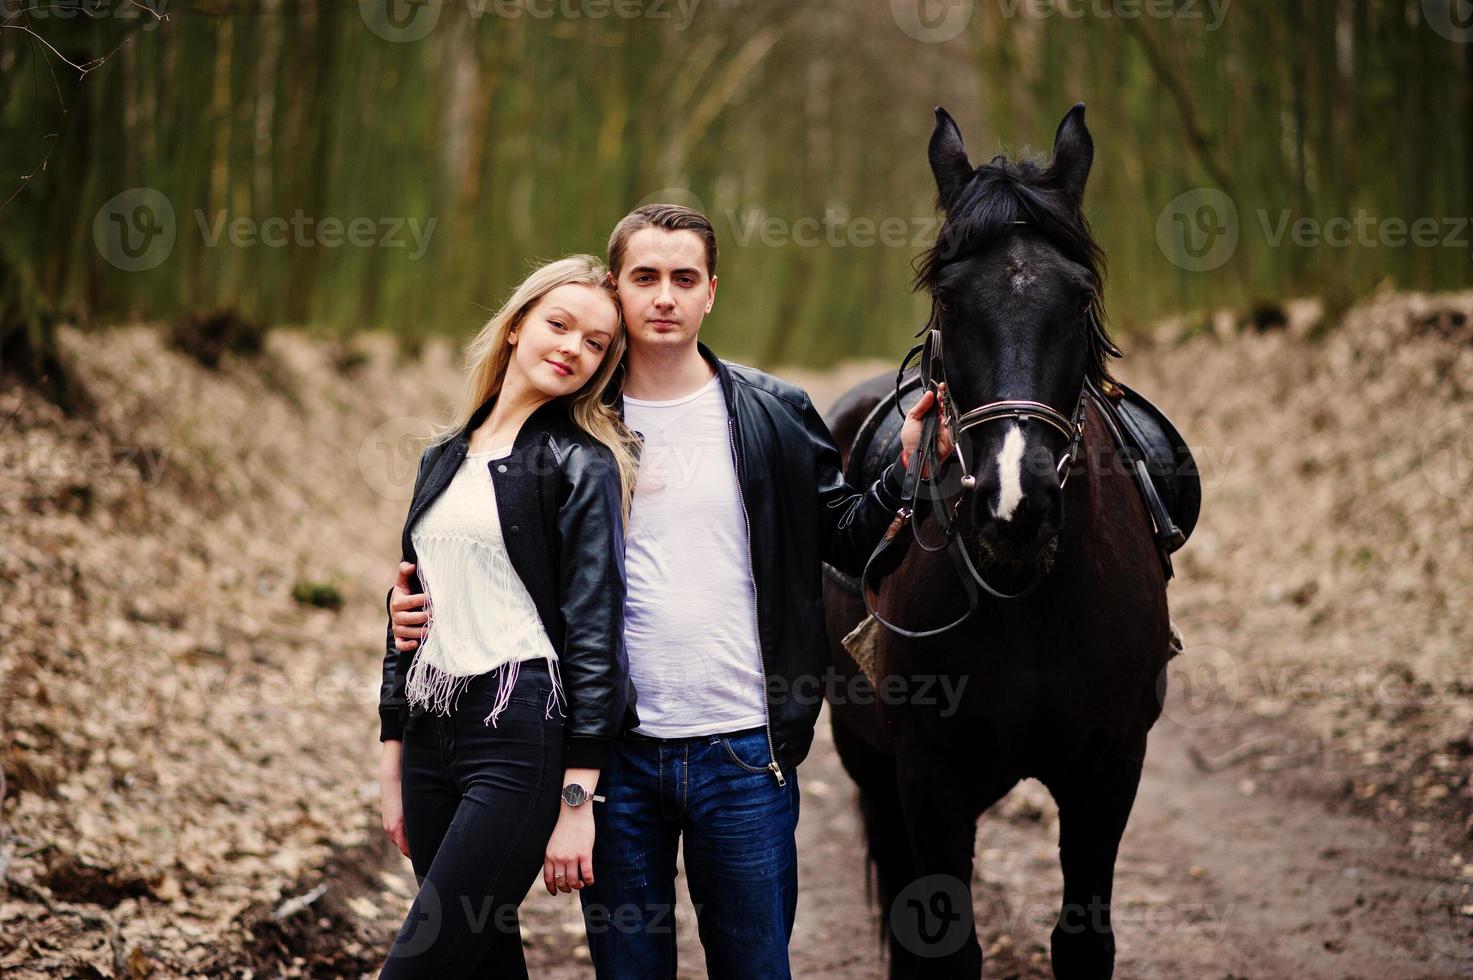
x=323, y=595
x=1300, y=111
x=268, y=130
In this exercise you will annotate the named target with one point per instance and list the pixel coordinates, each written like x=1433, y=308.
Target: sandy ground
x=189, y=754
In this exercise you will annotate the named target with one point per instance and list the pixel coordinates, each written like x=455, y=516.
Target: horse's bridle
x=925, y=466
x=933, y=376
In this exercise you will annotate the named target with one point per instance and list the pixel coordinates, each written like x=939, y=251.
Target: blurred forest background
x=505, y=130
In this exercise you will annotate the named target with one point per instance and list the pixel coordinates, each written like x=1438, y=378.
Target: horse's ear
x=948, y=156
x=1074, y=152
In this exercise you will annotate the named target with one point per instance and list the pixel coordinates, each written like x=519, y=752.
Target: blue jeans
x=740, y=857
x=480, y=802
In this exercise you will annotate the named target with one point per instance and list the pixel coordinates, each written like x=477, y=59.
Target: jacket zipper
x=756, y=607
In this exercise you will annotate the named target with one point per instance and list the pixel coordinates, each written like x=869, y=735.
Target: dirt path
x=1221, y=875
x=1216, y=879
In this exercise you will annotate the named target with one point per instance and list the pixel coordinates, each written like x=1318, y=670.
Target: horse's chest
x=1003, y=705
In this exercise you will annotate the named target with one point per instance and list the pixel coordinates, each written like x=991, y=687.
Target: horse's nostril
x=1032, y=516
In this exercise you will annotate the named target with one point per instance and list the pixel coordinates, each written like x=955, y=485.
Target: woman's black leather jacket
x=557, y=495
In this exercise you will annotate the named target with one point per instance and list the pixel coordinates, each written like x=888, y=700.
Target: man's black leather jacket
x=557, y=496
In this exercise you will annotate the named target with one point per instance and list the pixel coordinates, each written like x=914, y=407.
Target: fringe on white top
x=481, y=616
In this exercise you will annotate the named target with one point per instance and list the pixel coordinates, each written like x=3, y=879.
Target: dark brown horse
x=1061, y=684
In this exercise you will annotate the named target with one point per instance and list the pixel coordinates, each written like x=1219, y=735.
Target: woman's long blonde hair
x=489, y=353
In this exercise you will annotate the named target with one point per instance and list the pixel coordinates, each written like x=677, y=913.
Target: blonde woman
x=502, y=699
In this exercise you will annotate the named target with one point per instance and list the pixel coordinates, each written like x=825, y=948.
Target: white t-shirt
x=691, y=618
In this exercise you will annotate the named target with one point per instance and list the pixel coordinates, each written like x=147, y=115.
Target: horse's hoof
x=1083, y=955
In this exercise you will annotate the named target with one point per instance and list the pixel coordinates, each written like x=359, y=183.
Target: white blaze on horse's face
x=1009, y=474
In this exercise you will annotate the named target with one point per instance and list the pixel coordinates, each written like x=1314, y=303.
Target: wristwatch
x=576, y=795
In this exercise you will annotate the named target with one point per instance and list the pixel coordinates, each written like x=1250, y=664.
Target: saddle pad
x=1168, y=458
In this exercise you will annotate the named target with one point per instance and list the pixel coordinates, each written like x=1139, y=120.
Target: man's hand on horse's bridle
x=915, y=421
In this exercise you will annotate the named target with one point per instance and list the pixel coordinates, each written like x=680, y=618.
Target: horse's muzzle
x=1016, y=520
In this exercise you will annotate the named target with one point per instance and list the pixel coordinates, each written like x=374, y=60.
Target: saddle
x=1159, y=459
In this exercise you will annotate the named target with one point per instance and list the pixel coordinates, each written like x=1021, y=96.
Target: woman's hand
x=407, y=611
x=568, y=865
x=391, y=795
x=915, y=420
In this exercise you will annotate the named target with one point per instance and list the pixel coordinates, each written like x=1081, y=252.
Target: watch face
x=574, y=794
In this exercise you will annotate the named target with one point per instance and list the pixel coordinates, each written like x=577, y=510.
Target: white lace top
x=481, y=615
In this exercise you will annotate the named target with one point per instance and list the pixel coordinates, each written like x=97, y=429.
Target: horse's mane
x=1001, y=195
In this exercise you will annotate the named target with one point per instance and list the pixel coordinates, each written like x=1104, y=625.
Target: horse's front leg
x=932, y=917
x=1094, y=805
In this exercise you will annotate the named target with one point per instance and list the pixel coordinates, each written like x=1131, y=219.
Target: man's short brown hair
x=670, y=217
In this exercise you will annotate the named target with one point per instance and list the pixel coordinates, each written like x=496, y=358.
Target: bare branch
x=83, y=70
x=26, y=30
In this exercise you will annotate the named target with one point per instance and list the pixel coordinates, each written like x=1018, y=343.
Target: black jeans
x=480, y=803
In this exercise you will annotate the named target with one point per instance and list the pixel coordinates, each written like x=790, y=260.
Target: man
x=739, y=500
